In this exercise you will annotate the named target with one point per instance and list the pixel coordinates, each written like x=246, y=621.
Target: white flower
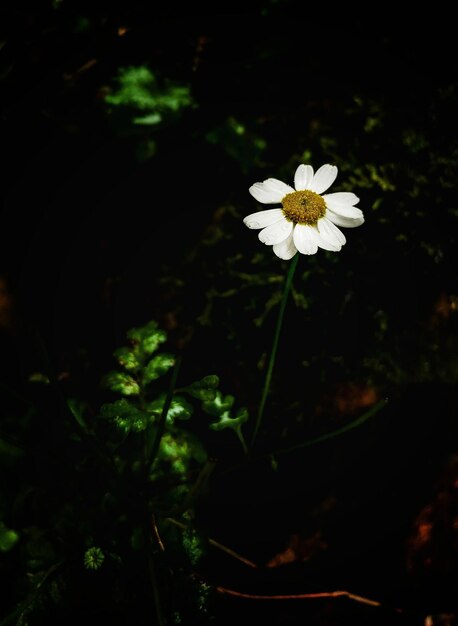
x=307, y=220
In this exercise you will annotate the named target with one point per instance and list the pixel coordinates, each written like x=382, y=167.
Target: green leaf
x=152, y=341
x=157, y=367
x=180, y=408
x=115, y=409
x=8, y=538
x=126, y=416
x=122, y=383
x=203, y=389
x=77, y=408
x=135, y=86
x=148, y=120
x=211, y=381
x=137, y=538
x=226, y=421
x=178, y=449
x=148, y=337
x=138, y=88
x=218, y=405
x=38, y=377
x=127, y=358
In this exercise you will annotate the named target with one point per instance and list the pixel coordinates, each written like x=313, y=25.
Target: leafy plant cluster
x=137, y=473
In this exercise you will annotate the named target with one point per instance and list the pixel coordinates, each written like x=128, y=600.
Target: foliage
x=138, y=89
x=141, y=100
x=135, y=445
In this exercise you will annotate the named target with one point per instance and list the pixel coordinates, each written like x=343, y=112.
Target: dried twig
x=217, y=545
x=156, y=534
x=303, y=596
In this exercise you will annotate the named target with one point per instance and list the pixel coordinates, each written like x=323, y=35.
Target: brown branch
x=156, y=534
x=217, y=545
x=302, y=596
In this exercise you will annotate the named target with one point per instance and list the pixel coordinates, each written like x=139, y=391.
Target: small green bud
x=93, y=558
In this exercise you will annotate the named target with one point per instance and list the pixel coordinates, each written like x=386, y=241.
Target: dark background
x=74, y=193
x=96, y=239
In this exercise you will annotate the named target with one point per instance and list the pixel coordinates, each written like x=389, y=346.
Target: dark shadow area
x=129, y=145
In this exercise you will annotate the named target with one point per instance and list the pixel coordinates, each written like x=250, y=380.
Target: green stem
x=273, y=354
x=373, y=410
x=335, y=433
x=239, y=434
x=153, y=446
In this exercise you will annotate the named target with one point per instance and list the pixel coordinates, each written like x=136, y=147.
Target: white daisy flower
x=307, y=220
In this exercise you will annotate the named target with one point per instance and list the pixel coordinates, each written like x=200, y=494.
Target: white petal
x=345, y=210
x=278, y=186
x=341, y=198
x=276, y=233
x=312, y=239
x=264, y=195
x=323, y=178
x=346, y=222
x=286, y=249
x=270, y=191
x=330, y=233
x=261, y=219
x=305, y=239
x=303, y=177
x=327, y=245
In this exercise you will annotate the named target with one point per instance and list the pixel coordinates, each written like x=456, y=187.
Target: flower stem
x=273, y=354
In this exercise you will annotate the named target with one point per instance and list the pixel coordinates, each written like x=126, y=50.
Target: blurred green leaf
x=203, y=389
x=226, y=421
x=134, y=88
x=148, y=337
x=179, y=448
x=8, y=538
x=148, y=120
x=122, y=383
x=157, y=367
x=126, y=416
x=127, y=358
x=218, y=405
x=138, y=88
x=39, y=377
x=179, y=409
x=115, y=409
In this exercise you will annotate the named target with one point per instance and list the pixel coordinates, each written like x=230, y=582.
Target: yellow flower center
x=303, y=207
